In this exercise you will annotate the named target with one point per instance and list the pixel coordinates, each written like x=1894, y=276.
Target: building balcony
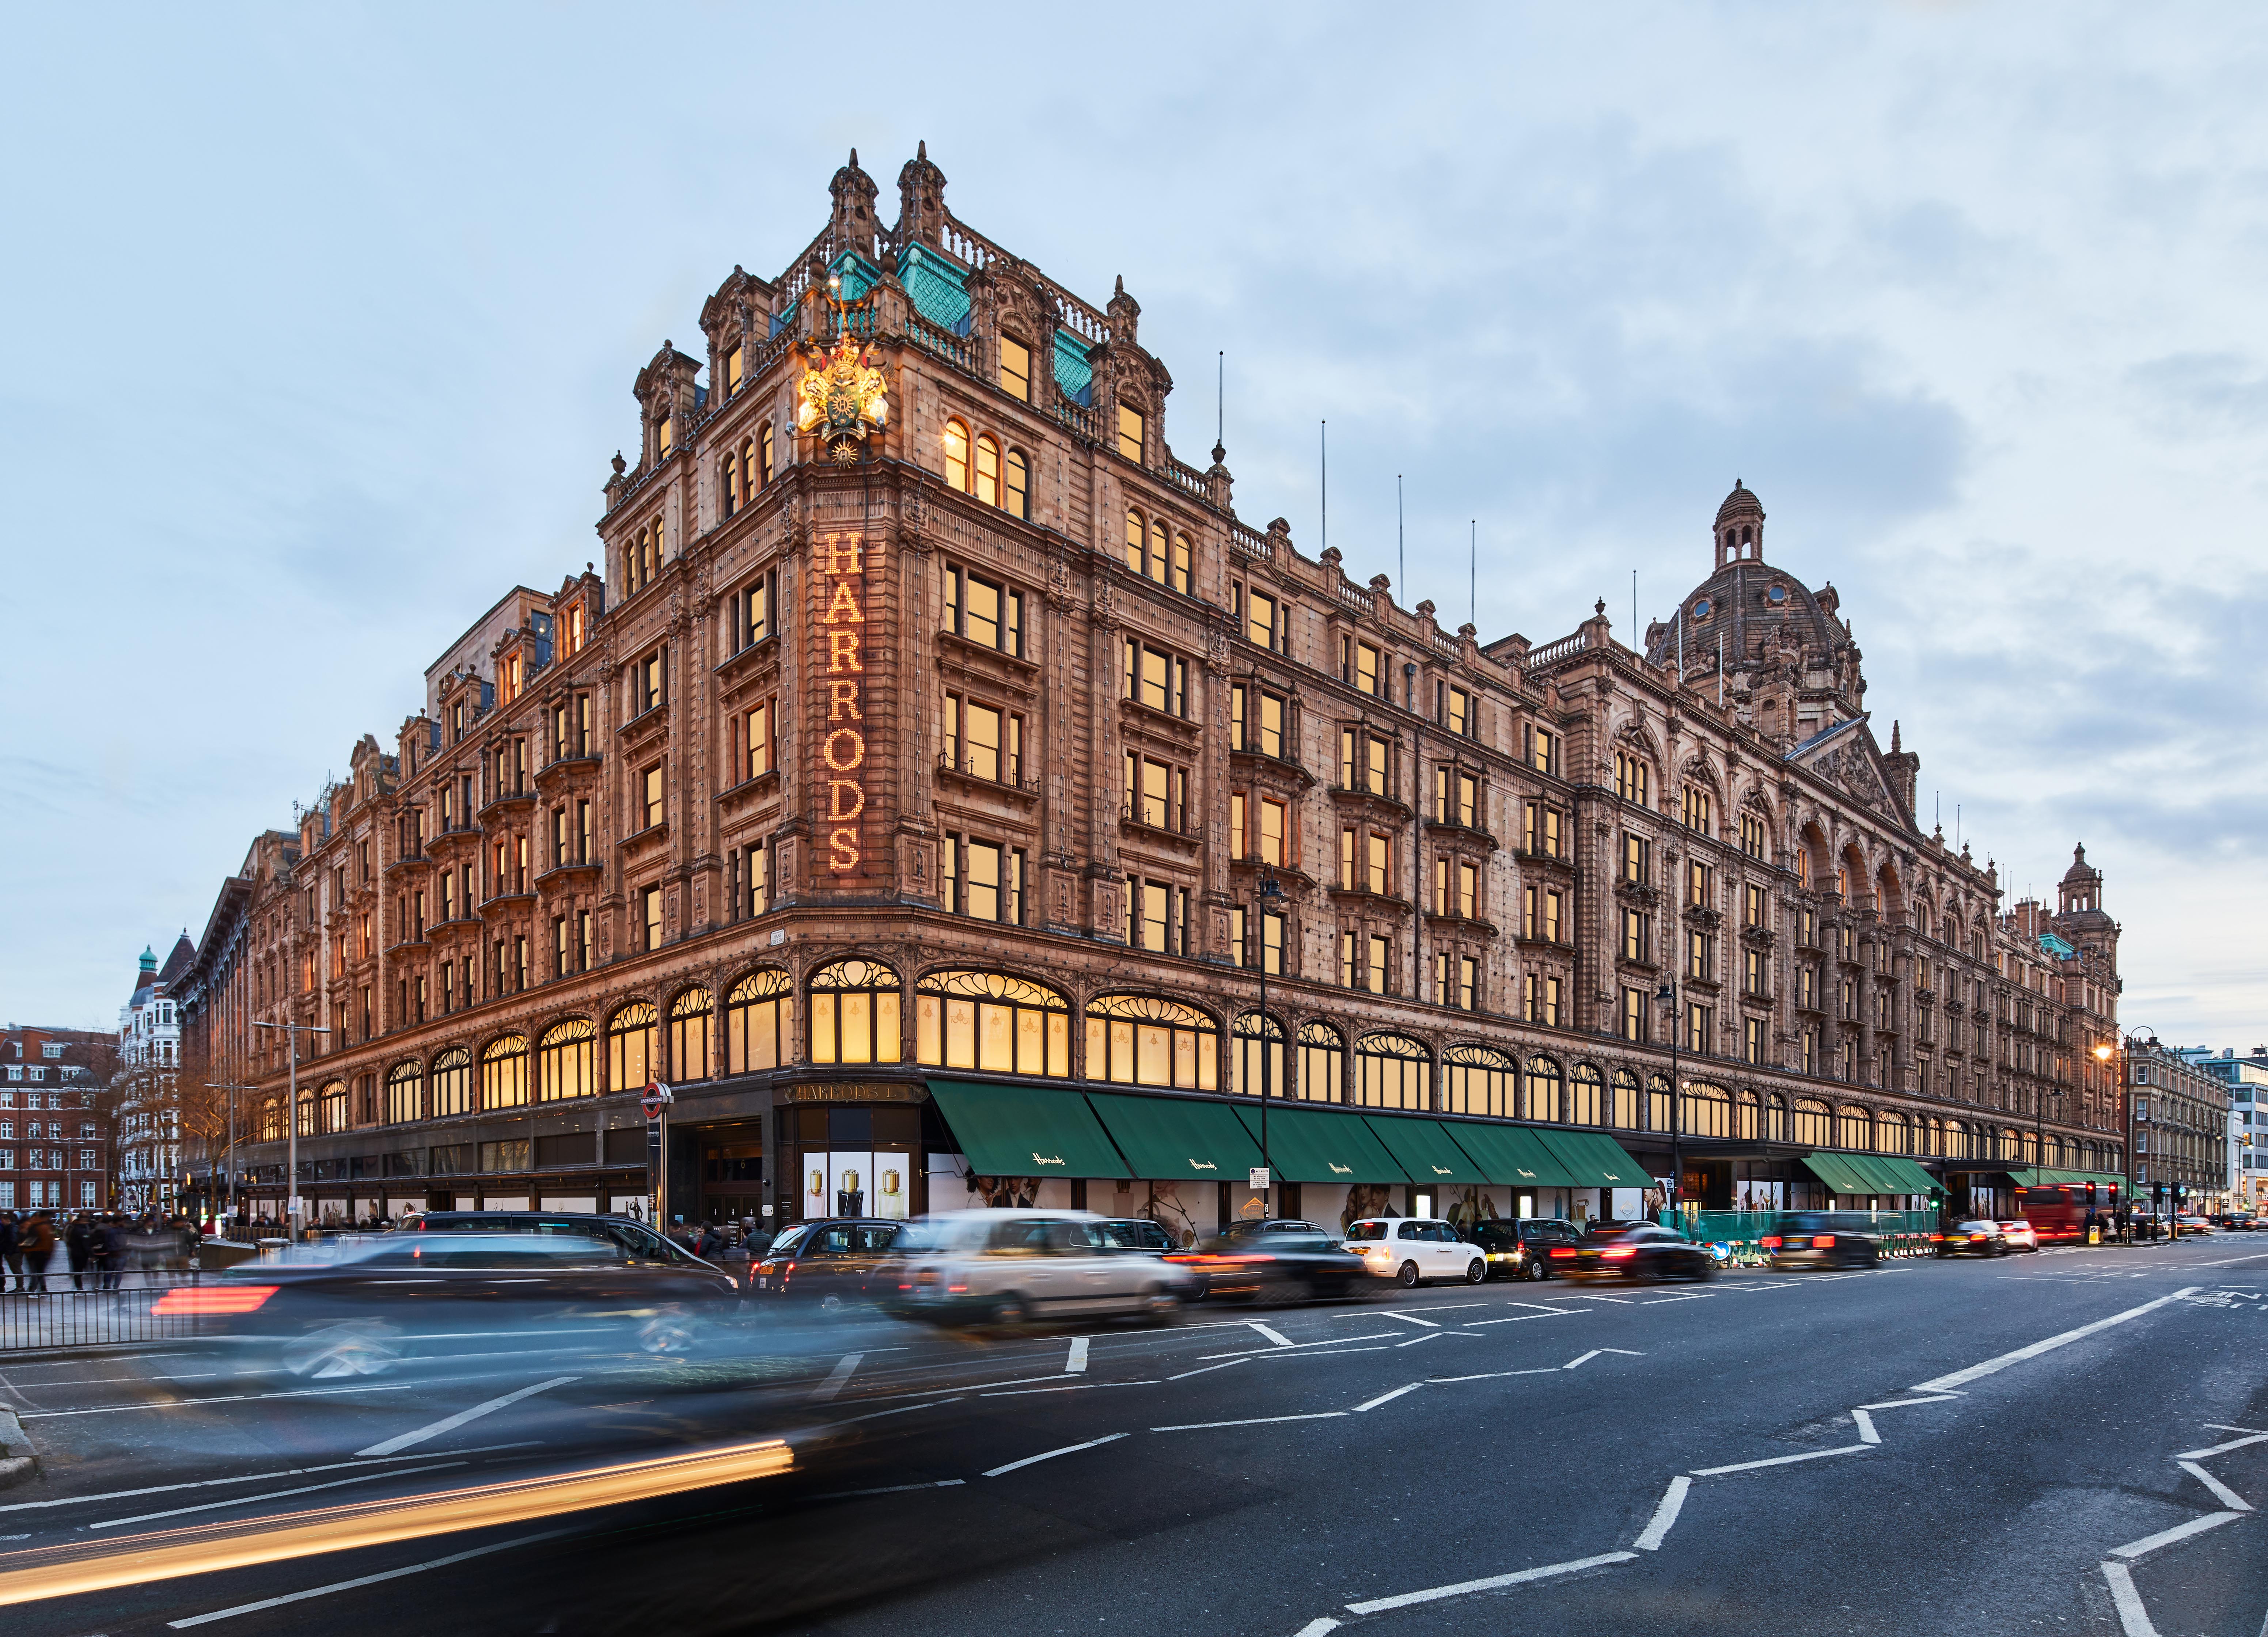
x=1256, y=759
x=1148, y=820
x=560, y=771
x=1461, y=926
x=511, y=901
x=989, y=769
x=1374, y=803
x=1457, y=834
x=505, y=800
x=559, y=877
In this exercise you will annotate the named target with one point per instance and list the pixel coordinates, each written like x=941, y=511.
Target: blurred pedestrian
x=98, y=1249
x=37, y=1241
x=75, y=1235
x=12, y=1255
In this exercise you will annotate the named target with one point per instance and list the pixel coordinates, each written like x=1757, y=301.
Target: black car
x=638, y=1241
x=1820, y=1239
x=1522, y=1248
x=1981, y=1238
x=1278, y=1260
x=832, y=1263
x=359, y=1307
x=1138, y=1233
x=1644, y=1252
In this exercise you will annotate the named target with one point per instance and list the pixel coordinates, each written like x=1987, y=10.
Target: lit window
x=765, y=454
x=759, y=1018
x=956, y=455
x=1130, y=434
x=988, y=471
x=1016, y=486
x=1140, y=1040
x=652, y=790
x=1015, y=369
x=760, y=740
x=854, y=1014
x=650, y=917
x=991, y=1023
x=1259, y=620
x=630, y=1047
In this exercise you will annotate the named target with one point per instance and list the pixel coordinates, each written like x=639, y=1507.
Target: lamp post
x=1666, y=997
x=2104, y=1052
x=291, y=1033
x=1269, y=889
x=231, y=1087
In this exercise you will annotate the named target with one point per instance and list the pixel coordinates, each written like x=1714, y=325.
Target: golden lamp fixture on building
x=843, y=400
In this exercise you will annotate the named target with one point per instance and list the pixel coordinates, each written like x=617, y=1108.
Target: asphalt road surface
x=2072, y=1442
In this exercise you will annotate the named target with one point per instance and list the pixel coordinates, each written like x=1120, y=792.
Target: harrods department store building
x=940, y=766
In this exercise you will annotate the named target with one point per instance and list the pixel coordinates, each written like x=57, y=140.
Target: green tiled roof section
x=859, y=275
x=1073, y=373
x=937, y=288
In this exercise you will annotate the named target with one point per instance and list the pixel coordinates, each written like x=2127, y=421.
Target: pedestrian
x=37, y=1242
x=12, y=1256
x=75, y=1249
x=98, y=1253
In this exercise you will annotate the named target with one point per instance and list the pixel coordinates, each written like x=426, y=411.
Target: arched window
x=855, y=1013
x=1853, y=1129
x=1140, y=1040
x=1016, y=490
x=630, y=1042
x=689, y=1035
x=1744, y=1116
x=330, y=1109
x=1479, y=1080
x=1657, y=1103
x=728, y=486
x=991, y=1022
x=750, y=479
x=1708, y=1111
x=405, y=1092
x=956, y=455
x=1544, y=1084
x=504, y=1072
x=1894, y=1134
x=1775, y=1118
x=1257, y=1046
x=759, y=1016
x=1392, y=1071
x=764, y=467
x=452, y=1082
x=988, y=470
x=1156, y=566
x=564, y=1067
x=1134, y=529
x=1587, y=1091
x=1323, y=1062
x=1622, y=1108
x=1814, y=1129
x=271, y=1121
x=1179, y=574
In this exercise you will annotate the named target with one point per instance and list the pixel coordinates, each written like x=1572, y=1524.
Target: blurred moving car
x=1981, y=1238
x=1138, y=1233
x=2020, y=1234
x=1414, y=1249
x=1520, y=1248
x=2191, y=1223
x=1820, y=1239
x=637, y=1241
x=1276, y=1261
x=2237, y=1221
x=1008, y=1267
x=1644, y=1252
x=832, y=1263
x=358, y=1308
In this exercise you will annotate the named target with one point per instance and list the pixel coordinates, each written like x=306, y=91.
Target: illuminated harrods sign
x=841, y=562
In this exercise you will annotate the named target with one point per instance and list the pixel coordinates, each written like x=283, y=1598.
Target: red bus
x=2057, y=1211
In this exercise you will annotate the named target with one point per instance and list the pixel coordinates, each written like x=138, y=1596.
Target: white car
x=2020, y=1236
x=1006, y=1267
x=1414, y=1249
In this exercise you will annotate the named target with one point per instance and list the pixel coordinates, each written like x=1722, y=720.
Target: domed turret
x=1740, y=527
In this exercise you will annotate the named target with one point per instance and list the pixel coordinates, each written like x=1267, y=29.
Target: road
x=2070, y=1442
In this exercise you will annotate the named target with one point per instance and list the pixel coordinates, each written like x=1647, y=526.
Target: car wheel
x=1706, y=1271
x=1010, y=1311
x=1476, y=1270
x=1408, y=1276
x=1160, y=1304
x=831, y=1303
x=340, y=1350
x=671, y=1333
x=1537, y=1272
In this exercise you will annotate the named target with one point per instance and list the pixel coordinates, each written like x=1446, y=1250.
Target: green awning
x=1510, y=1154
x=1316, y=1145
x=1428, y=1153
x=1836, y=1171
x=1892, y=1173
x=1026, y=1131
x=1165, y=1137
x=2066, y=1178
x=1596, y=1160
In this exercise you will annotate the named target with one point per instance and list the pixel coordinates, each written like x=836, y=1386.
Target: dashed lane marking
x=1865, y=1425
x=1262, y=1352
x=246, y=1478
x=1080, y=1386
x=1076, y=1363
x=840, y=1373
x=1049, y=1454
x=1492, y=1375
x=274, y=1494
x=1317, y=1627
x=1517, y=1318
x=365, y=1580
x=893, y=1489
x=1412, y=1318
x=1379, y=1605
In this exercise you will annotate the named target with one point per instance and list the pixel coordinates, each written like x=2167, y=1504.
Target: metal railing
x=91, y=1310
x=1902, y=1233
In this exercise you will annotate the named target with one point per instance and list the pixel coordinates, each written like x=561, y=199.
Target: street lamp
x=1666, y=997
x=291, y=1033
x=2103, y=1053
x=231, y=1087
x=1269, y=889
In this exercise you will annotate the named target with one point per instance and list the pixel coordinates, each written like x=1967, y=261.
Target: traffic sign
x=1258, y=1178
x=657, y=1098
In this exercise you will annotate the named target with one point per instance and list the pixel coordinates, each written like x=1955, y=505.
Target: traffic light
x=2090, y=1196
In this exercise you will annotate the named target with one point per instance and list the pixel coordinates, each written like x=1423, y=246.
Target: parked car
x=1644, y=1252
x=1981, y=1238
x=357, y=1308
x=832, y=1263
x=1520, y=1248
x=1414, y=1249
x=1281, y=1261
x=2020, y=1234
x=1820, y=1239
x=1138, y=1233
x=1009, y=1266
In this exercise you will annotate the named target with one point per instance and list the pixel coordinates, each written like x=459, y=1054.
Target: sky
x=318, y=328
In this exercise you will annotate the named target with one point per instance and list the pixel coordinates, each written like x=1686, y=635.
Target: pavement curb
x=20, y=1462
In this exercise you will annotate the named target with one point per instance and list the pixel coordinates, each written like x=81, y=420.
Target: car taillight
x=1822, y=1241
x=1771, y=1242
x=956, y=1289
x=209, y=1300
x=1558, y=1255
x=1616, y=1253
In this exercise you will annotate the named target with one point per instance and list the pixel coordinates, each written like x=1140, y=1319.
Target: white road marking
x=1430, y=1336
x=237, y=1398
x=1540, y=1309
x=2223, y=1426
x=365, y=1580
x=2179, y=1531
x=1900, y=1404
x=2221, y=1492
x=450, y=1423
x=1549, y=1312
x=2230, y=1260
x=1580, y=1358
x=1493, y=1374
x=248, y=1478
x=892, y=1489
x=1673, y=1502
x=1778, y=1460
x=1049, y=1454
x=1962, y=1378
x=840, y=1373
x=1451, y=1307
x=1262, y=1352
x=2133, y=1619
x=1257, y=1420
x=1275, y=1335
x=1411, y=1318
x=274, y=1494
x=1388, y=1397
x=1691, y=1296
x=1617, y=1300
x=1379, y=1605
x=1317, y=1627
x=1202, y=1369
x=1866, y=1433
x=1083, y=1386
x=2221, y=1449
x=904, y=1409
x=1076, y=1363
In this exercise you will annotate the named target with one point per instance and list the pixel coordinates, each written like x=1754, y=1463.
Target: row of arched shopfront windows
x=993, y=1023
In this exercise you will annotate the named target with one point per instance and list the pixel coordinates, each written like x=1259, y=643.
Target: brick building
x=939, y=763
x=55, y=1139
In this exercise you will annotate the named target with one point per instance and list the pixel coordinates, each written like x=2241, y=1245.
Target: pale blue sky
x=319, y=329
